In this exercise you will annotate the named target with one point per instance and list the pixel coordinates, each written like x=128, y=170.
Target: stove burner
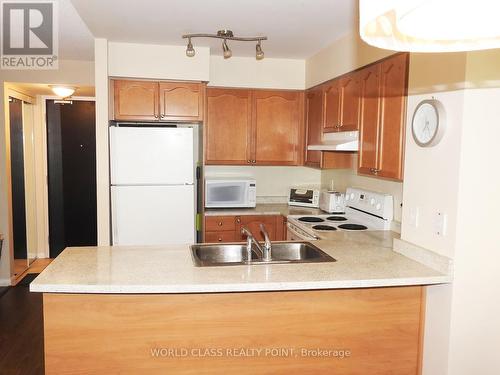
x=324, y=227
x=311, y=219
x=352, y=226
x=336, y=218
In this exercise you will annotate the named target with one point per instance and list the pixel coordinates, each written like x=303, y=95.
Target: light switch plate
x=440, y=223
x=414, y=214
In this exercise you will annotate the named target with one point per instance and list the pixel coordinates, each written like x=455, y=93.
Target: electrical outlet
x=440, y=224
x=414, y=214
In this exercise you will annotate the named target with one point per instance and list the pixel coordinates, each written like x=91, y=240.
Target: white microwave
x=226, y=193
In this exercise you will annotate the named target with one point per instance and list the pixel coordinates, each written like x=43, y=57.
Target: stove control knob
x=378, y=206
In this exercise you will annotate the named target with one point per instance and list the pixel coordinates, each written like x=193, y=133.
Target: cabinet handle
x=163, y=115
x=219, y=223
x=249, y=161
x=156, y=116
x=374, y=170
x=238, y=220
x=253, y=161
x=220, y=239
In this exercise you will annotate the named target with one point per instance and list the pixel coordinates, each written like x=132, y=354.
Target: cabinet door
x=332, y=97
x=136, y=100
x=314, y=124
x=369, y=123
x=181, y=101
x=277, y=127
x=350, y=103
x=252, y=223
x=393, y=111
x=228, y=128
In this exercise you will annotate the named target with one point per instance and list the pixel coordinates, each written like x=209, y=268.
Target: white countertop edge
x=237, y=287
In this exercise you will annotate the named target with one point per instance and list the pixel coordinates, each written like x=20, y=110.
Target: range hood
x=340, y=141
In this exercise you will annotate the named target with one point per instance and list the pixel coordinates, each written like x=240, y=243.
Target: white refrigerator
x=152, y=185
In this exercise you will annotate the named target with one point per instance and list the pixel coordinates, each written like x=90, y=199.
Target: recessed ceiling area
x=34, y=89
x=295, y=28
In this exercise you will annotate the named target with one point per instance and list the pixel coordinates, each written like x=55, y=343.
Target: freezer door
x=153, y=215
x=151, y=155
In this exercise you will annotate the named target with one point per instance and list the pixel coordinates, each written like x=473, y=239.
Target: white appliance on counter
x=152, y=185
x=364, y=211
x=230, y=192
x=303, y=197
x=332, y=201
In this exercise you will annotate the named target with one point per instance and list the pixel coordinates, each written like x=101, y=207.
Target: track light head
x=226, y=50
x=259, y=54
x=190, y=52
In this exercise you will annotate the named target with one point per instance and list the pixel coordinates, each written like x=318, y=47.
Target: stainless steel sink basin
x=235, y=254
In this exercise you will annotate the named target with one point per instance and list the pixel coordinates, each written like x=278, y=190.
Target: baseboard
x=5, y=282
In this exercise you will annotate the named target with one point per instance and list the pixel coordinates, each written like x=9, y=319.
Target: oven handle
x=294, y=232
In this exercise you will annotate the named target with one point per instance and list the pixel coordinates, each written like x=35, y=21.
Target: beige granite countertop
x=364, y=259
x=264, y=209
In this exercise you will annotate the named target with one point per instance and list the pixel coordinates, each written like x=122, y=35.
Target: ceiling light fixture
x=226, y=35
x=430, y=26
x=63, y=91
x=190, y=52
x=259, y=54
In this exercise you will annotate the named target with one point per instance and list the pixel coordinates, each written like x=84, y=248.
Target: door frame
x=45, y=166
x=9, y=91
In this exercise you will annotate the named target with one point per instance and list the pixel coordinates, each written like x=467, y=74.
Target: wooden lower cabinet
x=375, y=331
x=228, y=228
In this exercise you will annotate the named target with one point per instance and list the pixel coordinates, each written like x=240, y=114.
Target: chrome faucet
x=266, y=254
x=263, y=252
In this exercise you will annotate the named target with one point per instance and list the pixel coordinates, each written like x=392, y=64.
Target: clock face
x=426, y=123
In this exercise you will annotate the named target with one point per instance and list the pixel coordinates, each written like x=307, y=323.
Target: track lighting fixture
x=226, y=35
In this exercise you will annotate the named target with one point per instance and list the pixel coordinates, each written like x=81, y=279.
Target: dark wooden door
x=71, y=175
x=17, y=176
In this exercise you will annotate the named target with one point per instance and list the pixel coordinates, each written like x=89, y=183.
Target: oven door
x=295, y=234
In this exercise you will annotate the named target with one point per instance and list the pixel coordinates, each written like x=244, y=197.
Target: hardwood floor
x=21, y=332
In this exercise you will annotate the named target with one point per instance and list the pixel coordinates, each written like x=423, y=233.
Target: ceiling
x=76, y=42
x=295, y=28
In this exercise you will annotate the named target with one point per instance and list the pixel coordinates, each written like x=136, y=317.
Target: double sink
x=210, y=255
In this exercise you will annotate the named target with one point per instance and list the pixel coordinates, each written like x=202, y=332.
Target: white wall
x=431, y=178
x=248, y=72
x=475, y=328
x=157, y=62
x=273, y=183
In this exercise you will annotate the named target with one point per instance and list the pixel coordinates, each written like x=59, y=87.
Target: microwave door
x=226, y=195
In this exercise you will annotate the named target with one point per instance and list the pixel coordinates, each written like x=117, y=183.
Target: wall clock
x=429, y=123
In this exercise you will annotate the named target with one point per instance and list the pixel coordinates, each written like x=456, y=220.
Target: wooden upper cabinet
x=383, y=111
x=370, y=116
x=228, y=130
x=392, y=119
x=277, y=127
x=158, y=101
x=314, y=124
x=332, y=106
x=349, y=115
x=181, y=101
x=136, y=100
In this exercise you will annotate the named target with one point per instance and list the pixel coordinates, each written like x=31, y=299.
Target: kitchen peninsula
x=150, y=309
